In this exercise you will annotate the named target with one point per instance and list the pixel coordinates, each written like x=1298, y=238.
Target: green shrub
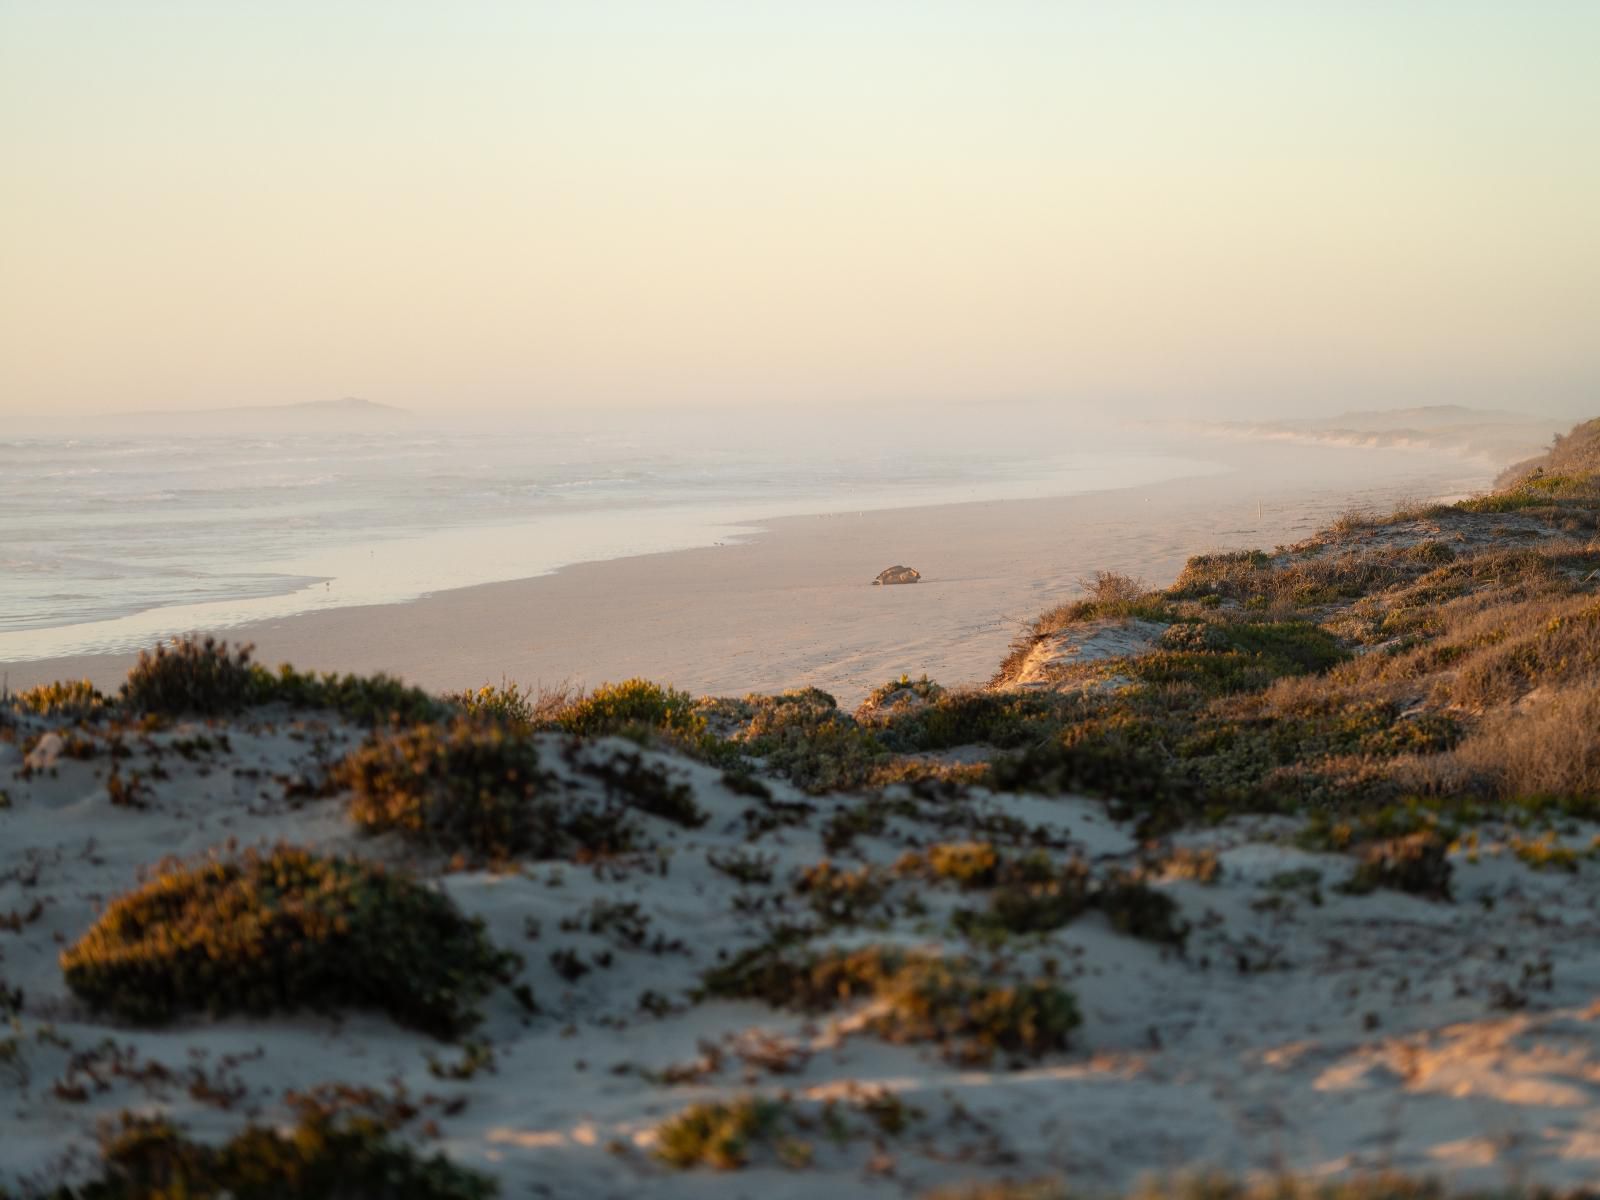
x=1138, y=910
x=284, y=931
x=970, y=717
x=473, y=787
x=1298, y=646
x=1418, y=863
x=952, y=1002
x=203, y=677
x=635, y=706
x=803, y=735
x=650, y=789
x=192, y=676
x=320, y=1159
x=955, y=1004
x=1539, y=489
x=716, y=1135
x=1034, y=896
x=365, y=699
x=728, y=1135
x=898, y=695
x=509, y=703
x=843, y=897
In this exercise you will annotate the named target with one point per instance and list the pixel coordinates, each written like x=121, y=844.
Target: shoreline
x=791, y=605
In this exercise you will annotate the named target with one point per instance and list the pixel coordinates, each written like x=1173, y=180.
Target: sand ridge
x=1299, y=1027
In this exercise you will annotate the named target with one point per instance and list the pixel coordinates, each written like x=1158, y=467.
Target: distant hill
x=1495, y=436
x=348, y=414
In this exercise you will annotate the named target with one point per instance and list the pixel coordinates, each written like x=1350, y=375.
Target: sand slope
x=1301, y=1028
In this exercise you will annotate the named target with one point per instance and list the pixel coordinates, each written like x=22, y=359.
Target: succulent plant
x=283, y=931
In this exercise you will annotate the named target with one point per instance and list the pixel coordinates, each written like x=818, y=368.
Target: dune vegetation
x=1246, y=771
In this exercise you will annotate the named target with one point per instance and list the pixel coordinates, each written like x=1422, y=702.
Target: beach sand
x=792, y=605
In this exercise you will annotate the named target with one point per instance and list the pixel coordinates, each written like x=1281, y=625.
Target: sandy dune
x=1300, y=1028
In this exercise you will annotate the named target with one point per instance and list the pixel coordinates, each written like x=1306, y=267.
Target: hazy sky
x=1276, y=205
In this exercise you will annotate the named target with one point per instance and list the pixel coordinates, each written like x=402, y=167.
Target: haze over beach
x=930, y=600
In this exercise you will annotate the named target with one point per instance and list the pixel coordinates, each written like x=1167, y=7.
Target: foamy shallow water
x=110, y=543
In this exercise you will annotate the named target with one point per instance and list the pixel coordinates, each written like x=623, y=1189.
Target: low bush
x=1137, y=910
x=522, y=708
x=843, y=897
x=204, y=677
x=729, y=1135
x=969, y=864
x=1551, y=750
x=951, y=1002
x=803, y=735
x=647, y=788
x=1035, y=895
x=1418, y=863
x=73, y=700
x=192, y=676
x=1029, y=907
x=285, y=931
x=473, y=787
x=636, y=707
x=716, y=1134
x=364, y=699
x=897, y=696
x=970, y=717
x=319, y=1159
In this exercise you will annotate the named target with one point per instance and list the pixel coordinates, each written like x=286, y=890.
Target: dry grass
x=1470, y=635
x=1576, y=452
x=1110, y=587
x=538, y=707
x=1550, y=749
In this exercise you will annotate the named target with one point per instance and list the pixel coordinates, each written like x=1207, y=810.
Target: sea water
x=109, y=542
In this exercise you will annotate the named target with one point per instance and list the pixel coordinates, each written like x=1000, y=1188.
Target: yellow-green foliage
x=843, y=897
x=508, y=703
x=319, y=1159
x=897, y=694
x=635, y=706
x=970, y=716
x=1538, y=489
x=716, y=1135
x=971, y=864
x=475, y=787
x=284, y=931
x=1032, y=905
x=1564, y=647
x=803, y=735
x=727, y=1136
x=73, y=699
x=952, y=1002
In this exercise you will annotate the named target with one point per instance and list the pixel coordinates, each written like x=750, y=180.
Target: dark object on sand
x=897, y=575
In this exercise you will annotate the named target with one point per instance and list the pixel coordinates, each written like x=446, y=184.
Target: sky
x=1281, y=207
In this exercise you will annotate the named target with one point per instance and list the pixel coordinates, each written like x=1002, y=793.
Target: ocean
x=111, y=542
